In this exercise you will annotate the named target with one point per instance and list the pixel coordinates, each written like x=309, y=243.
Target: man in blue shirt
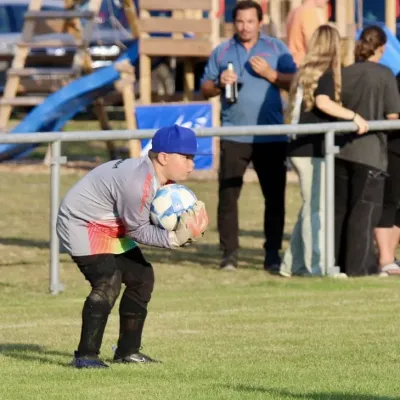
x=262, y=65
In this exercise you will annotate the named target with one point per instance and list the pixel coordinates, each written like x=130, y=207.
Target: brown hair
x=152, y=155
x=372, y=37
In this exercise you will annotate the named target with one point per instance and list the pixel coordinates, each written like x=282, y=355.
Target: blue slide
x=60, y=107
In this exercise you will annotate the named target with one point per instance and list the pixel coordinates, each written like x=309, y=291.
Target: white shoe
x=228, y=267
x=339, y=275
x=285, y=274
x=391, y=269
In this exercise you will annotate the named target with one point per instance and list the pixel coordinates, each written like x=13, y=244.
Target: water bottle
x=231, y=91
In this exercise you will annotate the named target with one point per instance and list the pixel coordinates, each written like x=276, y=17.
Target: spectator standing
x=262, y=65
x=387, y=234
x=301, y=24
x=370, y=90
x=306, y=252
x=100, y=221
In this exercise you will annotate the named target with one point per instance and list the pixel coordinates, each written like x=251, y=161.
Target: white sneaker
x=339, y=275
x=228, y=267
x=390, y=269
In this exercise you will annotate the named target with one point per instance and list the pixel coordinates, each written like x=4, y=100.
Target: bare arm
x=328, y=106
x=310, y=25
x=279, y=79
x=208, y=89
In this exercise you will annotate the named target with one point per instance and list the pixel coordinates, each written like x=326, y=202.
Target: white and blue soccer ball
x=169, y=203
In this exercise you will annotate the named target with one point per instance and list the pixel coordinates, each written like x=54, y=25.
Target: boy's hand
x=192, y=224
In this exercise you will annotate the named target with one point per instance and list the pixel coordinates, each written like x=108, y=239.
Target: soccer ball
x=169, y=203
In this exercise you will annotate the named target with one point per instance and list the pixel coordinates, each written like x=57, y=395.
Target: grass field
x=242, y=335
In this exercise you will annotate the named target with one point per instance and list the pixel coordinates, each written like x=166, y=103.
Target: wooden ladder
x=30, y=40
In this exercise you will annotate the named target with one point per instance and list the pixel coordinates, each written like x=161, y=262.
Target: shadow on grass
x=259, y=234
x=33, y=352
x=309, y=396
x=207, y=255
x=10, y=241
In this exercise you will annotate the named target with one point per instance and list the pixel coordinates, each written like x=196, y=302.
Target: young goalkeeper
x=100, y=222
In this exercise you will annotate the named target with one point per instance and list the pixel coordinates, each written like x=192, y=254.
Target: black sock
x=132, y=317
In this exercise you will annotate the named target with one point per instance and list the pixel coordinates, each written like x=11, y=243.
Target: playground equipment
x=67, y=21
x=57, y=109
x=187, y=30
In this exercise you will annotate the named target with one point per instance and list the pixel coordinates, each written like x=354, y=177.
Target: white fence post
x=330, y=151
x=55, y=282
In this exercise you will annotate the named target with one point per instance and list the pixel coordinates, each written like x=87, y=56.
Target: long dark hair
x=371, y=38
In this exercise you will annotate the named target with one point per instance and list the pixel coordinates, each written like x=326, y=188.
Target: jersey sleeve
x=211, y=71
x=286, y=64
x=133, y=207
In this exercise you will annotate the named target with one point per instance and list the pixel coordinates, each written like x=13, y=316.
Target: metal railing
x=329, y=129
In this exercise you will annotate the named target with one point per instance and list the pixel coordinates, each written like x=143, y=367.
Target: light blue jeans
x=306, y=252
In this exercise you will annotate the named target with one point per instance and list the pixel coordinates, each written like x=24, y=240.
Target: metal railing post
x=330, y=151
x=55, y=283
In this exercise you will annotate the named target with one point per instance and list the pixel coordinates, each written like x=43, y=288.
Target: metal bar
x=58, y=14
x=330, y=129
x=258, y=130
x=330, y=151
x=55, y=282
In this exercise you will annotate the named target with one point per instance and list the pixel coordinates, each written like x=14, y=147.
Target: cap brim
x=198, y=153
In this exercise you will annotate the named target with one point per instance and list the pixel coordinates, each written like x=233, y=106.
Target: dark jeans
x=106, y=273
x=269, y=163
x=391, y=198
x=358, y=207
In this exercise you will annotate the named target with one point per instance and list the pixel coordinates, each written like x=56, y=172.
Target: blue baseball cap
x=174, y=139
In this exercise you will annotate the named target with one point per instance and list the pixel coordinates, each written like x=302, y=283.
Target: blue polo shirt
x=259, y=102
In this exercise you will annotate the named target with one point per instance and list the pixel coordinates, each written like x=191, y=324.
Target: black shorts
x=136, y=273
x=391, y=202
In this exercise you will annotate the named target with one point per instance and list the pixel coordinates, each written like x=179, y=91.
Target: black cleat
x=87, y=362
x=134, y=358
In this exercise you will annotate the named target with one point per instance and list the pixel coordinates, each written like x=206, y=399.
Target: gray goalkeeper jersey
x=108, y=210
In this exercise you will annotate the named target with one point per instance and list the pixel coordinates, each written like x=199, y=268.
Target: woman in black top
x=312, y=84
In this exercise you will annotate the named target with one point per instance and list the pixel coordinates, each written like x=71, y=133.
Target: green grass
x=243, y=335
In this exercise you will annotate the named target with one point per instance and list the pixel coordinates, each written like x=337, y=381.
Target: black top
x=393, y=137
x=313, y=145
x=370, y=90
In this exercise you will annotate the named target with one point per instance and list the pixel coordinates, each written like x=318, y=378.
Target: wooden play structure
x=193, y=30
